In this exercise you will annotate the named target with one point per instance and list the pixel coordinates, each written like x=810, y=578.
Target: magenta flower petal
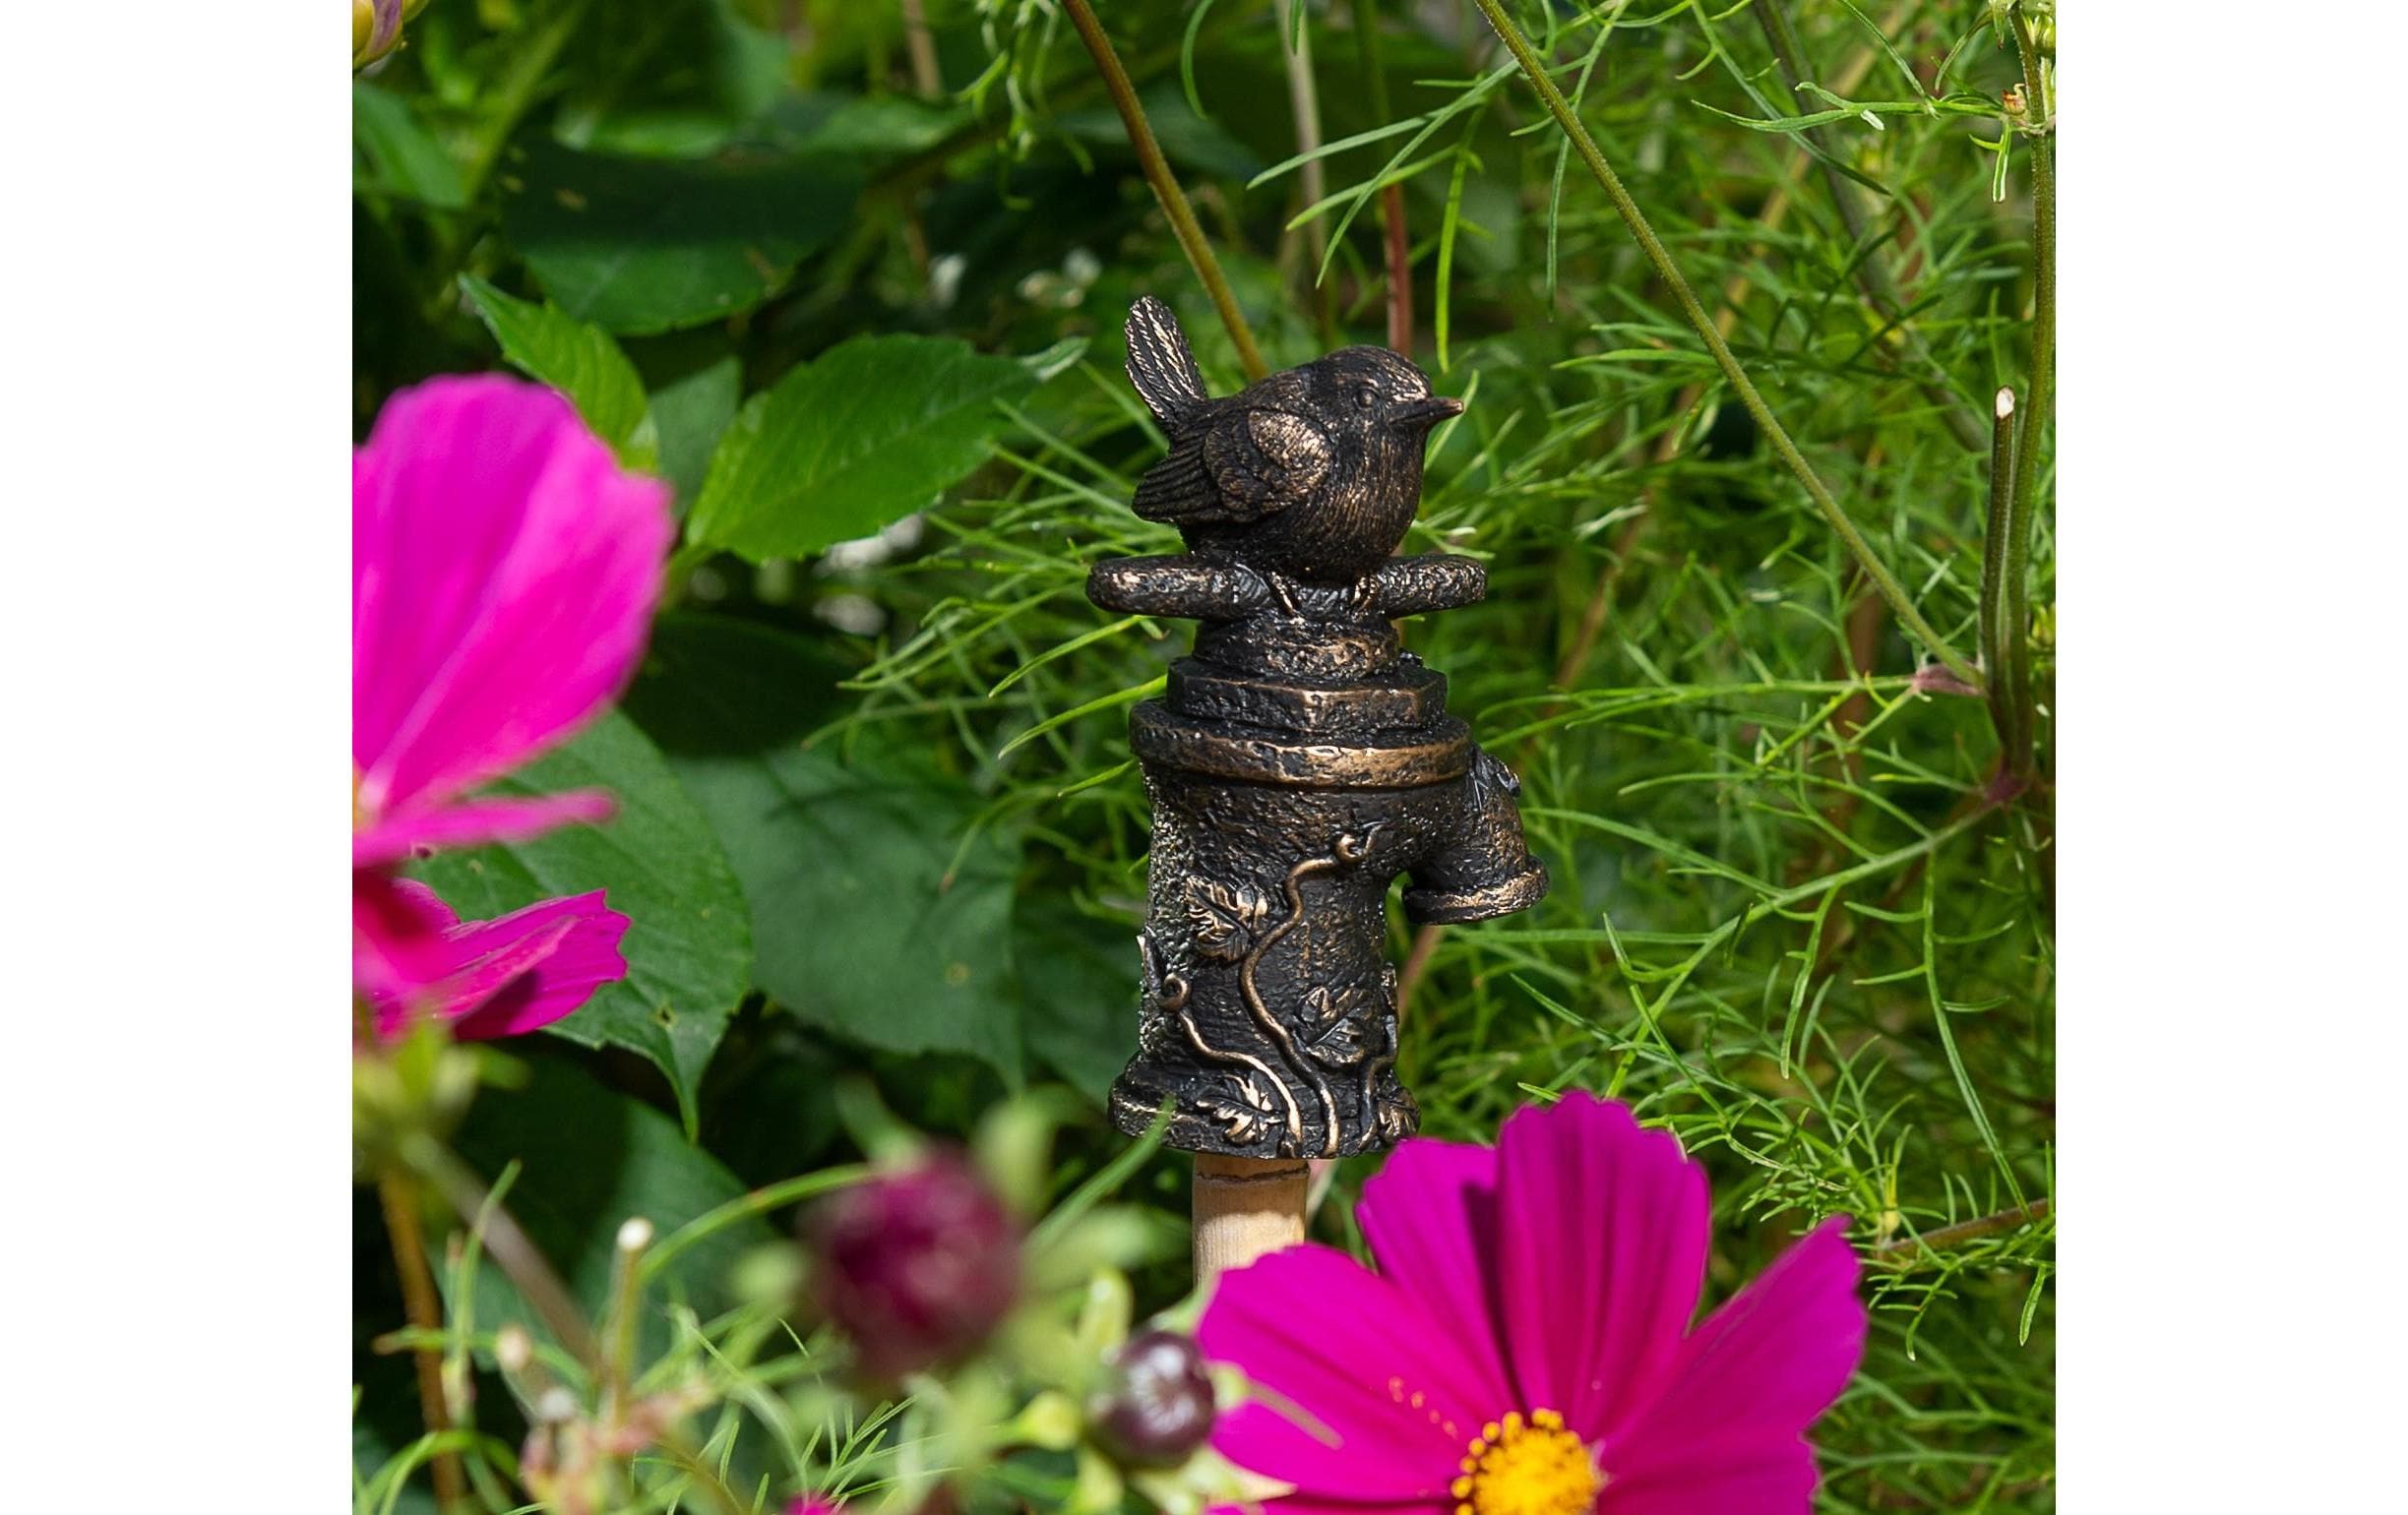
x=504, y=573
x=396, y=936
x=1309, y=1504
x=506, y=976
x=1430, y=1215
x=1603, y=1231
x=1770, y=1479
x=1388, y=1401
x=1762, y=1368
x=473, y=824
x=1526, y=1345
x=559, y=952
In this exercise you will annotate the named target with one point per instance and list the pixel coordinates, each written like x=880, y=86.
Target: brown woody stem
x=1173, y=198
x=1906, y=1251
x=399, y=1195
x=1391, y=197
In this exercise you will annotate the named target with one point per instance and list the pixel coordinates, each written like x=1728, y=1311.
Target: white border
x=2230, y=1035
x=177, y=361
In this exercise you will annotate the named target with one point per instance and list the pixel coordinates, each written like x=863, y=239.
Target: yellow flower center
x=1527, y=1467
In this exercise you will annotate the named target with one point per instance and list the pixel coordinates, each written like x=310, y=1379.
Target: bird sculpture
x=1312, y=474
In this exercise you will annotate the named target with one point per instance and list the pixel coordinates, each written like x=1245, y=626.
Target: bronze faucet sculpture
x=1301, y=760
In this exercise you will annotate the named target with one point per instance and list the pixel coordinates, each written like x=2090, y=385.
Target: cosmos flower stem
x=1165, y=186
x=2039, y=408
x=1874, y=569
x=1999, y=638
x=1311, y=178
x=399, y=1194
x=509, y=1247
x=626, y=1307
x=1908, y=1251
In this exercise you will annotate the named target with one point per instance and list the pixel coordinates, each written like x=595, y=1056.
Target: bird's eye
x=1367, y=396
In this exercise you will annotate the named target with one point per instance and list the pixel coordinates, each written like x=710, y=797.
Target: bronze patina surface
x=1300, y=761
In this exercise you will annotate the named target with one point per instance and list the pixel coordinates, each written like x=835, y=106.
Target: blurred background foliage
x=851, y=277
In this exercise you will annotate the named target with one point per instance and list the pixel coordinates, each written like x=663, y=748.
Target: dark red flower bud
x=916, y=1266
x=1157, y=1405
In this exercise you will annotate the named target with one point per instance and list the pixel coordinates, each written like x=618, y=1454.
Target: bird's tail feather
x=1161, y=364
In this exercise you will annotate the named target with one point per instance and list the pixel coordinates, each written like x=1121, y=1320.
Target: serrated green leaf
x=581, y=361
x=640, y=245
x=692, y=412
x=876, y=913
x=690, y=941
x=850, y=443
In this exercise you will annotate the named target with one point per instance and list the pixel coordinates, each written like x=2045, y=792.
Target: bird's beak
x=1430, y=411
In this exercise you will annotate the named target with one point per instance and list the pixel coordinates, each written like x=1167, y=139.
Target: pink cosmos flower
x=493, y=978
x=503, y=577
x=814, y=1504
x=1526, y=1347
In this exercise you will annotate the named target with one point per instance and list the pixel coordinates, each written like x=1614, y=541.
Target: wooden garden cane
x=1298, y=762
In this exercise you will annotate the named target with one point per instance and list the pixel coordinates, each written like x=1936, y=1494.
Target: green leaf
x=1079, y=991
x=579, y=360
x=640, y=245
x=666, y=79
x=852, y=442
x=591, y=1158
x=877, y=915
x=394, y=153
x=690, y=938
x=692, y=413
x=875, y=126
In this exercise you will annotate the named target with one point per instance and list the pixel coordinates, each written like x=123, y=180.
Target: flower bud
x=1157, y=1405
x=376, y=28
x=916, y=1266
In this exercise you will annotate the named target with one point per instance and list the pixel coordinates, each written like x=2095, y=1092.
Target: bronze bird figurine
x=1312, y=474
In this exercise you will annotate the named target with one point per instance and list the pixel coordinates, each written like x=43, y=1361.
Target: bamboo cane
x=1245, y=1207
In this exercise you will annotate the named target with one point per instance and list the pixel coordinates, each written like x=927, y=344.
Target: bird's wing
x=1161, y=364
x=1244, y=466
x=1178, y=489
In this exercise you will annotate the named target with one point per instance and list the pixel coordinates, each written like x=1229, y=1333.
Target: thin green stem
x=1312, y=179
x=626, y=1312
x=1873, y=274
x=1995, y=536
x=1173, y=198
x=1874, y=569
x=2039, y=414
x=758, y=1201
